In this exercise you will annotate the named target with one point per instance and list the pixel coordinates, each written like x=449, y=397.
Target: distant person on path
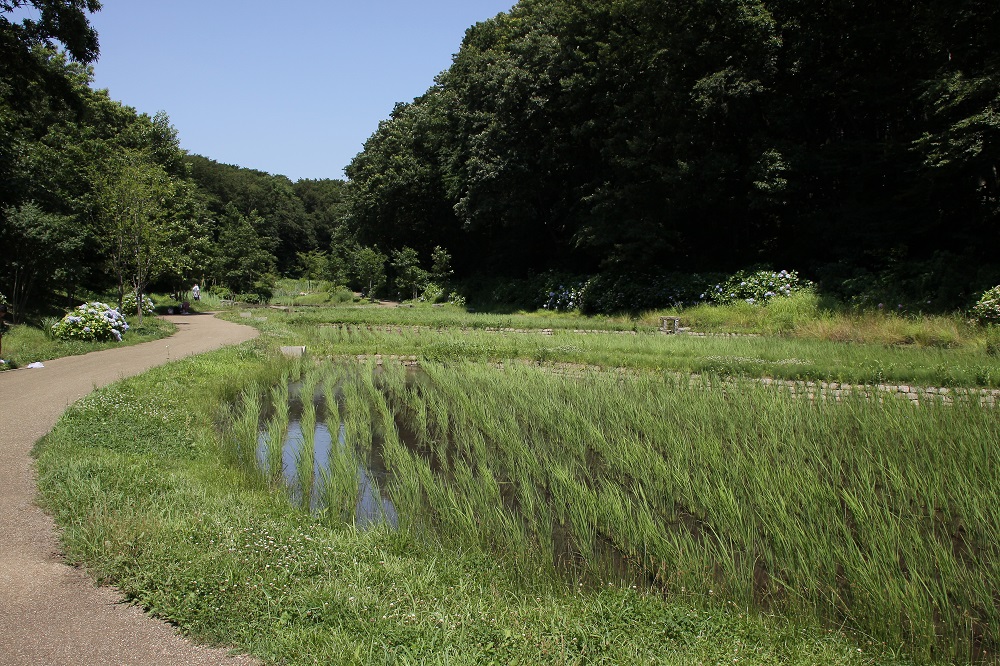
x=196, y=292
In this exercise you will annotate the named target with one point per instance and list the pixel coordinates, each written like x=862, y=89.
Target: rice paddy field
x=438, y=487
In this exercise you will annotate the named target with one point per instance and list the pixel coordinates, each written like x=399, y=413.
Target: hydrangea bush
x=128, y=304
x=94, y=321
x=987, y=310
x=561, y=298
x=755, y=287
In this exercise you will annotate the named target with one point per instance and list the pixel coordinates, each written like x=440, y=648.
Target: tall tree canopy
x=63, y=21
x=648, y=135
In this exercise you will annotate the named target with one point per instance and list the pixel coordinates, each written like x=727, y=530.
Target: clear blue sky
x=291, y=87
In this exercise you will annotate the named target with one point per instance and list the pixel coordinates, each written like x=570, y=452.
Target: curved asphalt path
x=51, y=613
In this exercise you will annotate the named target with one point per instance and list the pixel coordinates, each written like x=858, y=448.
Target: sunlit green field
x=449, y=334
x=540, y=515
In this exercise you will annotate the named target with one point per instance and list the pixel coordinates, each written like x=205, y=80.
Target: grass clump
x=807, y=315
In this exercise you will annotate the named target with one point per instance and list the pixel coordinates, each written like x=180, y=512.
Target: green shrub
x=219, y=291
x=94, y=321
x=756, y=287
x=987, y=310
x=341, y=294
x=128, y=304
x=433, y=293
x=251, y=297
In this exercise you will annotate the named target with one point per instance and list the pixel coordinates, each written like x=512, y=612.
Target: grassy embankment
x=24, y=344
x=753, y=525
x=809, y=349
x=34, y=341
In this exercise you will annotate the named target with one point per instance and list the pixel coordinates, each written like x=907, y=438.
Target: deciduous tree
x=132, y=195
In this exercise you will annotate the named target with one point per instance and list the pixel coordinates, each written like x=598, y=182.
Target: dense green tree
x=324, y=204
x=369, y=270
x=410, y=277
x=54, y=144
x=43, y=27
x=38, y=248
x=396, y=189
x=441, y=270
x=242, y=261
x=279, y=216
x=132, y=193
x=63, y=21
x=188, y=254
x=343, y=248
x=314, y=265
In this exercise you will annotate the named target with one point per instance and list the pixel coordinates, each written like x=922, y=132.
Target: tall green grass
x=810, y=316
x=875, y=516
x=870, y=514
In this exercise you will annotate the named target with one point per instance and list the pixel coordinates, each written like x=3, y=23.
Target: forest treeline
x=636, y=141
x=857, y=143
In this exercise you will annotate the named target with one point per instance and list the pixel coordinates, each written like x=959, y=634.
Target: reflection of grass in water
x=305, y=459
x=277, y=426
x=339, y=479
x=330, y=479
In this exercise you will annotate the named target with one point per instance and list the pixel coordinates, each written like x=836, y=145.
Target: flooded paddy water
x=345, y=454
x=321, y=441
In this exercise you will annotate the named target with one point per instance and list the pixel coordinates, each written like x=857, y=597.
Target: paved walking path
x=51, y=613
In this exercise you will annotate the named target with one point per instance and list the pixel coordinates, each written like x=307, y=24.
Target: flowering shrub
x=128, y=304
x=987, y=310
x=755, y=288
x=560, y=298
x=93, y=321
x=556, y=291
